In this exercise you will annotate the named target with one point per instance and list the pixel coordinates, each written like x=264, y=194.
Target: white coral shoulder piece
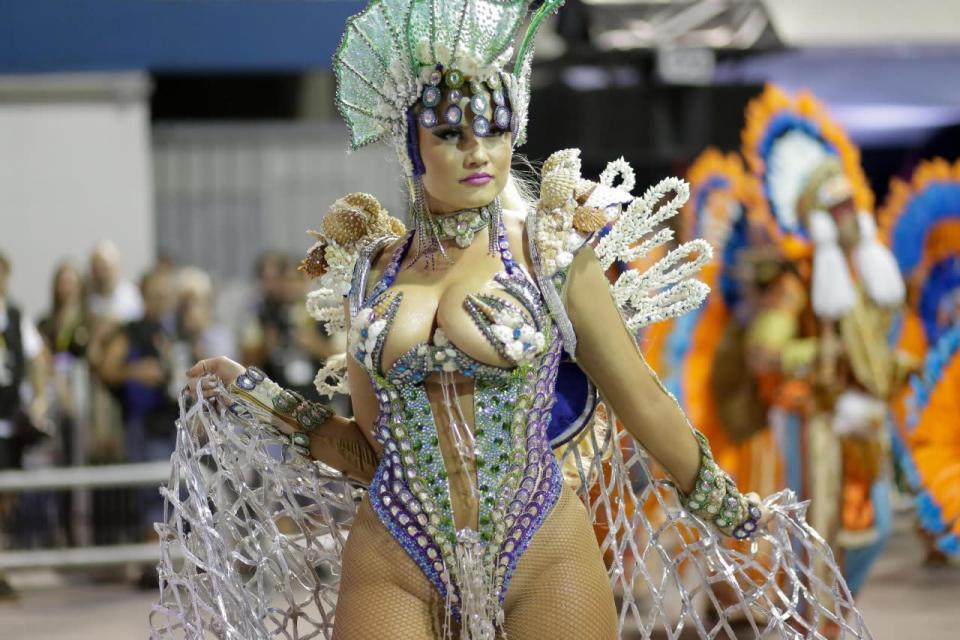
x=665, y=289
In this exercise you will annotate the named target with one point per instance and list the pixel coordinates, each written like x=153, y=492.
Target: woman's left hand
x=208, y=371
x=765, y=514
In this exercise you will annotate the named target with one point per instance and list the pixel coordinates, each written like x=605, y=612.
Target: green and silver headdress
x=396, y=53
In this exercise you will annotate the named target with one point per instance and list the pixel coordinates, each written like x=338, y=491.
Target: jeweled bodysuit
x=518, y=480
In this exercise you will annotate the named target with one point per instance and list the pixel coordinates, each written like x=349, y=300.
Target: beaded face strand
x=483, y=94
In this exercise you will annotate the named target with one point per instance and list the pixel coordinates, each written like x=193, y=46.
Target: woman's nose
x=475, y=154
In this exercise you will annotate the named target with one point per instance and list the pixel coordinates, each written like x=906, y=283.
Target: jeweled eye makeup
x=448, y=132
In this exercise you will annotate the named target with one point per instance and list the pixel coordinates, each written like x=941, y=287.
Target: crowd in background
x=96, y=379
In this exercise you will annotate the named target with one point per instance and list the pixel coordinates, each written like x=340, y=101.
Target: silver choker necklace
x=462, y=226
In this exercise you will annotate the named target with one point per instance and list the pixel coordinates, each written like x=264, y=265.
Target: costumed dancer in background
x=713, y=374
x=921, y=222
x=475, y=342
x=818, y=206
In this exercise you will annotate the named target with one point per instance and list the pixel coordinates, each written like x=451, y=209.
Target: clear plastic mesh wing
x=671, y=572
x=252, y=538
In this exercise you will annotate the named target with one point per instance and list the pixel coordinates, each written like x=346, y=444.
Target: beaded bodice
x=517, y=478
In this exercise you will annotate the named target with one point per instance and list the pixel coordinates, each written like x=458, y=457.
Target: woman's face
x=463, y=171
x=68, y=285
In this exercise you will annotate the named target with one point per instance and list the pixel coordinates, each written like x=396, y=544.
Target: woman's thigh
x=560, y=589
x=383, y=594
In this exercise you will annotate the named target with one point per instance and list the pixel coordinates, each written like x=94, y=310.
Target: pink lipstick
x=477, y=179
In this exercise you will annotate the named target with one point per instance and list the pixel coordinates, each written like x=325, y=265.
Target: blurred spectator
x=138, y=364
x=22, y=393
x=311, y=339
x=112, y=301
x=21, y=361
x=65, y=326
x=110, y=296
x=196, y=324
x=66, y=332
x=269, y=340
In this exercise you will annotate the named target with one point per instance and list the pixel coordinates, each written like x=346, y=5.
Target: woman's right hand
x=220, y=367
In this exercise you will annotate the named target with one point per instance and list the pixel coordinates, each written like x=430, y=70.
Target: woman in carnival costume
x=818, y=205
x=475, y=342
x=921, y=222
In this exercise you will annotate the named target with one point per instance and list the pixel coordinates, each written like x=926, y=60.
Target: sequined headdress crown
x=398, y=52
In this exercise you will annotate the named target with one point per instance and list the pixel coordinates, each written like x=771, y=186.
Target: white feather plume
x=793, y=158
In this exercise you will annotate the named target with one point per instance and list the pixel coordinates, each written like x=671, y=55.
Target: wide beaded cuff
x=716, y=499
x=289, y=406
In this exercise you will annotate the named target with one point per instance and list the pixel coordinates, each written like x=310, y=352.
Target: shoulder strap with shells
x=573, y=211
x=351, y=223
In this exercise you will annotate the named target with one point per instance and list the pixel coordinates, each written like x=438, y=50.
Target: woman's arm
x=609, y=355
x=345, y=439
x=340, y=443
x=335, y=441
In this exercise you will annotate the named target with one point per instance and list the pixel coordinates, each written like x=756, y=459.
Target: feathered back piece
x=705, y=215
x=934, y=445
x=785, y=140
x=809, y=170
x=920, y=222
x=717, y=212
x=387, y=48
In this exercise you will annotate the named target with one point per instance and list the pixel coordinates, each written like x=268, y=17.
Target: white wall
x=865, y=22
x=74, y=170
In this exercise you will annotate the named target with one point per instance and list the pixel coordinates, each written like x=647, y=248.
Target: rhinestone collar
x=461, y=226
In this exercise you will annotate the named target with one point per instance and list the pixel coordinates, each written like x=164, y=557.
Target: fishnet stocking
x=561, y=589
x=383, y=593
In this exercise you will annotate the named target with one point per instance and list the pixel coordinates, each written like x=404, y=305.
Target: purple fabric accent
x=413, y=144
x=575, y=396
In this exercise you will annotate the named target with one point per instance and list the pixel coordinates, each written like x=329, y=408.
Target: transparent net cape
x=253, y=535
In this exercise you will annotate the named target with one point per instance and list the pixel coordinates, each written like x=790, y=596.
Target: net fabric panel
x=261, y=534
x=252, y=534
x=668, y=567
